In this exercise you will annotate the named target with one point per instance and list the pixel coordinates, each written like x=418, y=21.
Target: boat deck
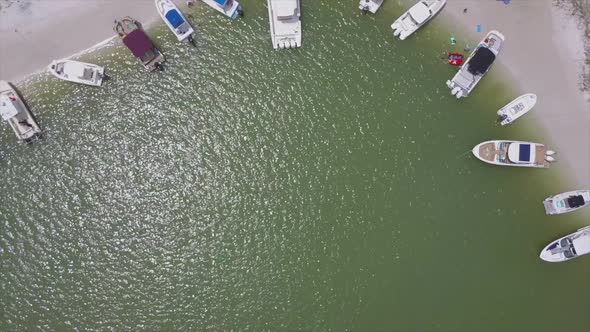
x=491, y=153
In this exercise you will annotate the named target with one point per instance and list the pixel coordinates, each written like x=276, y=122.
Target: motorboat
x=370, y=6
x=567, y=202
x=285, y=23
x=514, y=153
x=516, y=108
x=477, y=65
x=568, y=247
x=15, y=112
x=139, y=44
x=175, y=20
x=416, y=17
x=77, y=72
x=229, y=8
x=455, y=59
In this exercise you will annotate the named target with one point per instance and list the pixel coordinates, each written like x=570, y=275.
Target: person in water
x=190, y=3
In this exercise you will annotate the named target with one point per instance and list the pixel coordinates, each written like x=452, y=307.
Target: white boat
x=514, y=153
x=229, y=8
x=477, y=65
x=175, y=20
x=77, y=72
x=516, y=108
x=370, y=5
x=568, y=247
x=285, y=23
x=15, y=112
x=567, y=202
x=416, y=16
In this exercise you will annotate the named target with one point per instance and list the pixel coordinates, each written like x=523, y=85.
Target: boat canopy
x=222, y=3
x=520, y=153
x=420, y=12
x=174, y=18
x=138, y=43
x=481, y=61
x=7, y=109
x=575, y=201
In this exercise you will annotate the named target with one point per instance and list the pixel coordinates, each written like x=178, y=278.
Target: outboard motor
x=241, y=13
x=455, y=91
x=549, y=152
x=549, y=159
x=159, y=66
x=191, y=40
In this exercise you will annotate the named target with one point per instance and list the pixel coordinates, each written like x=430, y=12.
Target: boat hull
x=232, y=11
x=556, y=204
x=407, y=24
x=491, y=152
x=558, y=251
x=23, y=123
x=464, y=81
x=286, y=31
x=370, y=6
x=516, y=108
x=71, y=71
x=174, y=19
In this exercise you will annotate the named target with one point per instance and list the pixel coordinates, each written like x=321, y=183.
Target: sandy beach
x=35, y=32
x=544, y=54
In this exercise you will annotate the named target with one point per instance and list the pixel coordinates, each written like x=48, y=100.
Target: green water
x=326, y=188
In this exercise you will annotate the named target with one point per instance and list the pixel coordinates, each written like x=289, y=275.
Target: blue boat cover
x=524, y=152
x=174, y=18
x=221, y=2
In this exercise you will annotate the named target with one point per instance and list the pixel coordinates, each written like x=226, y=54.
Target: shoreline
x=30, y=31
x=544, y=54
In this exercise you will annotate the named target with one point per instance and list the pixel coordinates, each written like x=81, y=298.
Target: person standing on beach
x=190, y=3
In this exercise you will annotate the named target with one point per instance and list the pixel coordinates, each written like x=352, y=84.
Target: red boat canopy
x=138, y=43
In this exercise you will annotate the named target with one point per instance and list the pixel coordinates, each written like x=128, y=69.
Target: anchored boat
x=15, y=112
x=174, y=20
x=514, y=153
x=229, y=8
x=77, y=72
x=416, y=17
x=567, y=202
x=139, y=44
x=477, y=65
x=568, y=247
x=370, y=5
x=285, y=23
x=516, y=108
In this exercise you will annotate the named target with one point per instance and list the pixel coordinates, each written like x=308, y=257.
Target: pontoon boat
x=16, y=113
x=175, y=20
x=138, y=43
x=477, y=65
x=514, y=153
x=77, y=72
x=516, y=108
x=416, y=16
x=370, y=6
x=285, y=23
x=567, y=202
x=568, y=247
x=229, y=8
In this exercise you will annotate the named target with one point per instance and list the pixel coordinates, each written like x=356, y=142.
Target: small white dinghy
x=285, y=23
x=175, y=20
x=229, y=8
x=516, y=108
x=370, y=6
x=514, y=153
x=567, y=202
x=15, y=112
x=77, y=72
x=415, y=17
x=568, y=247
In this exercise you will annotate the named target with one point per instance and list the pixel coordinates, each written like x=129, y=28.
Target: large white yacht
x=477, y=65
x=514, y=153
x=285, y=23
